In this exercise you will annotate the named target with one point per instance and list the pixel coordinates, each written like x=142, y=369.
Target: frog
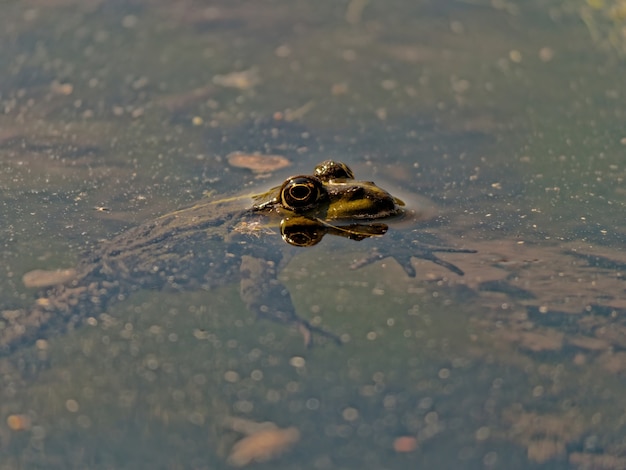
x=214, y=243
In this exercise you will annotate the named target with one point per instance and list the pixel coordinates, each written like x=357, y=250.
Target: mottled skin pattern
x=212, y=244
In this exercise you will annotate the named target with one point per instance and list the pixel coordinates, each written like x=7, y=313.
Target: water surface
x=507, y=115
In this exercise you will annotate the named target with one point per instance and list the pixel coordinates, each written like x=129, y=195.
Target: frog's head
x=331, y=201
x=330, y=194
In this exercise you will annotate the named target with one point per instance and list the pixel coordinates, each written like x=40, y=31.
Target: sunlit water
x=508, y=117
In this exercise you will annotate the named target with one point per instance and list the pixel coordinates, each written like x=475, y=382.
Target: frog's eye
x=302, y=193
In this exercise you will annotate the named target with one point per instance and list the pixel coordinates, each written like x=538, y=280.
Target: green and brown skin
x=217, y=243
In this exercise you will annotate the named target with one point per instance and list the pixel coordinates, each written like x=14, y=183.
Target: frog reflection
x=303, y=231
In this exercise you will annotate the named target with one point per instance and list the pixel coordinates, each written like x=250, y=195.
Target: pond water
x=508, y=116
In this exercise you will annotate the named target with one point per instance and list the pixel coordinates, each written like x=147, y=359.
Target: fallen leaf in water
x=43, y=278
x=404, y=444
x=263, y=445
x=257, y=162
x=18, y=422
x=243, y=80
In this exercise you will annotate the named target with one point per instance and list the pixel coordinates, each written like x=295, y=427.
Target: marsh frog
x=214, y=243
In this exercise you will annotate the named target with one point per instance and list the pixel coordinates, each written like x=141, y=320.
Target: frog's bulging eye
x=302, y=193
x=331, y=170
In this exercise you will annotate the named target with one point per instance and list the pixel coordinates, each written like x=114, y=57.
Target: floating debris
x=59, y=88
x=405, y=444
x=256, y=229
x=256, y=162
x=263, y=446
x=19, y=422
x=43, y=278
x=263, y=442
x=243, y=80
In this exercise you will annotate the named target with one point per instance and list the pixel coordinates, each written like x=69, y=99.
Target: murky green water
x=508, y=115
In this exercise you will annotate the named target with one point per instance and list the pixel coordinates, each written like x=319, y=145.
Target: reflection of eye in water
x=301, y=231
x=304, y=231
